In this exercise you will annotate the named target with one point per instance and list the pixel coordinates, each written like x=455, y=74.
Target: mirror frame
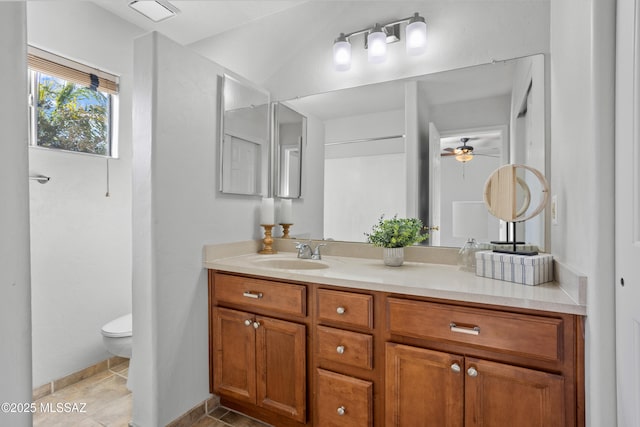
x=277, y=155
x=263, y=178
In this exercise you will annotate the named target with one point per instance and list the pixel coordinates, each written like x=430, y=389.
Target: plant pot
x=393, y=257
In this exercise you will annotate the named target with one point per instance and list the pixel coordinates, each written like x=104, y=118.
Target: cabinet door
x=423, y=387
x=234, y=372
x=502, y=395
x=281, y=367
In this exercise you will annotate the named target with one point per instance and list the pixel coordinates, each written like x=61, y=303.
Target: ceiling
x=198, y=20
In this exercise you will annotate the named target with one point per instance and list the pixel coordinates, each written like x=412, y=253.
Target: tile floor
x=103, y=400
x=100, y=400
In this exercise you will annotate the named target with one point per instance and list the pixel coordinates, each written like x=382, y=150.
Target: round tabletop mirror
x=516, y=193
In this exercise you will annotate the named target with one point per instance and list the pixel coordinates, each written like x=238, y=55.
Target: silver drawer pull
x=340, y=349
x=342, y=410
x=340, y=310
x=464, y=330
x=472, y=372
x=248, y=322
x=455, y=368
x=251, y=294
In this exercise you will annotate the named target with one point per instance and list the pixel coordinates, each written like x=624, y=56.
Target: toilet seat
x=119, y=328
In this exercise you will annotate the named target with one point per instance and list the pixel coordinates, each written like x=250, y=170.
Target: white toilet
x=116, y=336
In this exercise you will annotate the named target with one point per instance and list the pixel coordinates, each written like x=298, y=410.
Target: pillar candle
x=267, y=212
x=286, y=212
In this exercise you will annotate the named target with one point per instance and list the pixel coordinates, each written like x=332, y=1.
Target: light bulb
x=377, y=45
x=342, y=53
x=416, y=35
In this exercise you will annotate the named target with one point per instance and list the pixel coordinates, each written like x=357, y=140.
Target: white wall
x=466, y=181
x=177, y=209
x=15, y=292
x=582, y=49
x=478, y=113
x=363, y=180
x=460, y=34
x=289, y=53
x=80, y=239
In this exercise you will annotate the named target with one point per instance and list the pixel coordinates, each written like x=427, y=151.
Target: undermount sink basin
x=292, y=264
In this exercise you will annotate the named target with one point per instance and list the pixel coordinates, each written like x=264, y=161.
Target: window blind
x=71, y=71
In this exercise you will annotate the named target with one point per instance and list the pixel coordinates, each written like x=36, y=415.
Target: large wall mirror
x=393, y=148
x=290, y=133
x=244, y=138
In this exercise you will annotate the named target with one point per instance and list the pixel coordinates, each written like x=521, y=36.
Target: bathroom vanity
x=349, y=342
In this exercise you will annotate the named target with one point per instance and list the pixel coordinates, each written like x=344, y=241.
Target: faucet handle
x=316, y=251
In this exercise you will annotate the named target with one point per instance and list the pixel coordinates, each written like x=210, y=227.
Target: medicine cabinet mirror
x=290, y=133
x=244, y=138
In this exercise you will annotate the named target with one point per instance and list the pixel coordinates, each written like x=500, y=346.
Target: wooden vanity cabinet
x=344, y=352
x=258, y=361
x=467, y=366
x=294, y=354
x=426, y=387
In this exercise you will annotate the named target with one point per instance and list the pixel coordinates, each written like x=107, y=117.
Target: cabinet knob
x=340, y=349
x=247, y=322
x=340, y=310
x=472, y=372
x=256, y=325
x=341, y=410
x=455, y=368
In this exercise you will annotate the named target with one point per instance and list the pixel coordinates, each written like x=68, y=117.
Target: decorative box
x=527, y=270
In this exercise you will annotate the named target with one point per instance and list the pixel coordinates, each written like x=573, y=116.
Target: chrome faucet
x=305, y=251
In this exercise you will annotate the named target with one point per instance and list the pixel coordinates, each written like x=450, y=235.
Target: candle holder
x=285, y=230
x=268, y=240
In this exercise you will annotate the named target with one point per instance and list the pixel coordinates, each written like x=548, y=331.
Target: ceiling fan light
x=464, y=157
x=342, y=53
x=377, y=45
x=416, y=35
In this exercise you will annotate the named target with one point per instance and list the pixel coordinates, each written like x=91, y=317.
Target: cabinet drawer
x=345, y=308
x=350, y=348
x=527, y=335
x=343, y=401
x=248, y=292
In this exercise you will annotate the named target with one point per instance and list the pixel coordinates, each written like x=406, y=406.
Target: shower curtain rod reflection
x=42, y=179
x=375, y=138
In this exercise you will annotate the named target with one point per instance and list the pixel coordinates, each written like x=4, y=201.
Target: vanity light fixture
x=156, y=10
x=378, y=37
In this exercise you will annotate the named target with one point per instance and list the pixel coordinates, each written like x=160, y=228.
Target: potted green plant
x=393, y=235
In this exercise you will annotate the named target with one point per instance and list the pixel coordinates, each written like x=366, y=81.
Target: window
x=72, y=105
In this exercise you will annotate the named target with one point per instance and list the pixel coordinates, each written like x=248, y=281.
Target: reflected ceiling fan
x=464, y=152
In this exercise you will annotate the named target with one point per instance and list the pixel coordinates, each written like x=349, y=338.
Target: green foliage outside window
x=72, y=117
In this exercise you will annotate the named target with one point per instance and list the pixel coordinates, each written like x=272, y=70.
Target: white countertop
x=412, y=278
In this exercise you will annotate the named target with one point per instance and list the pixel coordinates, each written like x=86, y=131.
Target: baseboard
x=195, y=413
x=49, y=388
